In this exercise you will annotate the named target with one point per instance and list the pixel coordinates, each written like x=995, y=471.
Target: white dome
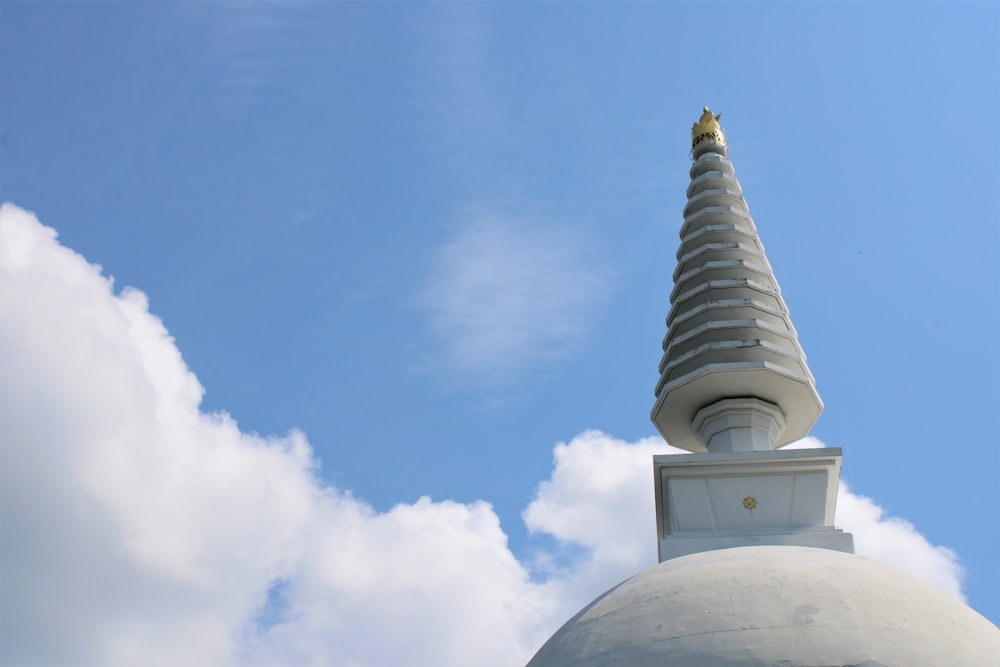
x=775, y=606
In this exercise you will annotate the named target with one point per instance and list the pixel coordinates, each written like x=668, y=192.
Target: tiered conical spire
x=734, y=386
x=733, y=376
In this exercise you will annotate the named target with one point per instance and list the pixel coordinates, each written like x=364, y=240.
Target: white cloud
x=599, y=496
x=897, y=542
x=137, y=530
x=428, y=583
x=506, y=292
x=464, y=111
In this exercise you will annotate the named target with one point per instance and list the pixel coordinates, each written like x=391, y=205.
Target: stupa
x=752, y=570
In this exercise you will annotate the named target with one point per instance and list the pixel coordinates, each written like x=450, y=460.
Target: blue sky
x=437, y=239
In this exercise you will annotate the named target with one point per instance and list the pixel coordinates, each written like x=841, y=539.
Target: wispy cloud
x=464, y=112
x=506, y=292
x=139, y=530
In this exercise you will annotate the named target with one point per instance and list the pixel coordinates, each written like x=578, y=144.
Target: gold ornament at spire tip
x=707, y=129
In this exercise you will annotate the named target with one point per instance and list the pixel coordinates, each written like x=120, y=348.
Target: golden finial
x=707, y=129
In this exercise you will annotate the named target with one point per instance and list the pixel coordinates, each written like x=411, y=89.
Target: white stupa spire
x=734, y=386
x=733, y=376
x=751, y=570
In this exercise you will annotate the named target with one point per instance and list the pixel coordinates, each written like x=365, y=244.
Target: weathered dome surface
x=775, y=606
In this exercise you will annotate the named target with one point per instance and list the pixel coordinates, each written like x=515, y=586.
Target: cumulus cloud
x=897, y=542
x=136, y=529
x=506, y=292
x=599, y=496
x=427, y=583
x=139, y=530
